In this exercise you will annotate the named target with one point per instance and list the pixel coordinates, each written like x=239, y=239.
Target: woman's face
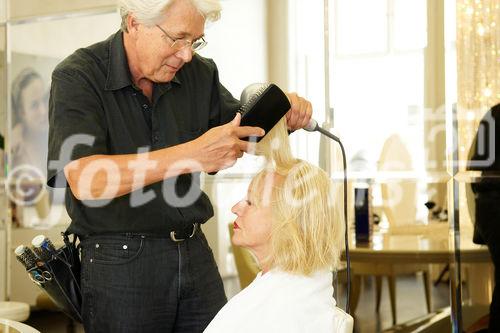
x=34, y=105
x=252, y=227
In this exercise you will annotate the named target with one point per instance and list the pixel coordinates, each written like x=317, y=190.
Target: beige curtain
x=478, y=56
x=478, y=77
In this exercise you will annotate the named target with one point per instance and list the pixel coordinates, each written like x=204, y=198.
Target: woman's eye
x=246, y=202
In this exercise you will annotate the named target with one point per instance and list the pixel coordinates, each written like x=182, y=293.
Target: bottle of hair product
x=26, y=256
x=43, y=247
x=363, y=219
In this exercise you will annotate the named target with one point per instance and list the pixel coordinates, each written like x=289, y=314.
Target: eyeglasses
x=179, y=43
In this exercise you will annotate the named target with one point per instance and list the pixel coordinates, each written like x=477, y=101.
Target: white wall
x=3, y=10
x=23, y=9
x=59, y=38
x=238, y=44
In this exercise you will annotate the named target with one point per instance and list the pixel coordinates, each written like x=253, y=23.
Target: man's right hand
x=221, y=146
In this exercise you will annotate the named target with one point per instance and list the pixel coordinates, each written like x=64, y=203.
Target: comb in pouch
x=264, y=109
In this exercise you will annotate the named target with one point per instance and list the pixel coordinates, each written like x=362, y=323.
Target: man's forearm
x=111, y=176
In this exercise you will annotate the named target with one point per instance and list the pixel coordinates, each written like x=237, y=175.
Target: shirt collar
x=118, y=76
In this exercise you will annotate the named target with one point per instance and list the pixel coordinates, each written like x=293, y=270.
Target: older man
x=133, y=120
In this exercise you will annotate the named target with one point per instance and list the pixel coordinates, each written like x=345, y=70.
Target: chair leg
x=392, y=293
x=355, y=292
x=378, y=292
x=445, y=270
x=427, y=286
x=70, y=327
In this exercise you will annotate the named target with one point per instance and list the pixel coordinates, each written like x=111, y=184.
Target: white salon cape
x=280, y=302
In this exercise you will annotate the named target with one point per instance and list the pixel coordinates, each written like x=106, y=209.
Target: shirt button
x=144, y=106
x=156, y=138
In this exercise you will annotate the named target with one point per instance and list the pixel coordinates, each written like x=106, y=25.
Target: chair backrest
x=399, y=198
x=344, y=323
x=22, y=328
x=245, y=263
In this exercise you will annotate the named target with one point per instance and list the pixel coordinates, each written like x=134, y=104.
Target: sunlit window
x=377, y=71
x=361, y=26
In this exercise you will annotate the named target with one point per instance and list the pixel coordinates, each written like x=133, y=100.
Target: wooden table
x=395, y=248
x=418, y=244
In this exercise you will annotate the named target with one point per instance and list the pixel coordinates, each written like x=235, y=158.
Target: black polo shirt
x=92, y=96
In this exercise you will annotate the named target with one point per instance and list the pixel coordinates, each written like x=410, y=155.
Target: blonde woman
x=289, y=223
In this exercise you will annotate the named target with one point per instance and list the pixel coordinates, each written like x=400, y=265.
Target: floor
x=410, y=300
x=410, y=304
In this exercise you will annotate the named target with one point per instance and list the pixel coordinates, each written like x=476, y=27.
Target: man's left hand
x=300, y=113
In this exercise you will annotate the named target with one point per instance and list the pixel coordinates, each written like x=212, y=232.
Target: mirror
x=33, y=56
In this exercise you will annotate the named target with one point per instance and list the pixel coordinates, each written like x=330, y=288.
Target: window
x=376, y=76
x=376, y=63
x=380, y=93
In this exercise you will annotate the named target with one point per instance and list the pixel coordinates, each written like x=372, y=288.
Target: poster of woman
x=28, y=147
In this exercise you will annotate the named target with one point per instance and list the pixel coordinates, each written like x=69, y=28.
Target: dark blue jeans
x=140, y=283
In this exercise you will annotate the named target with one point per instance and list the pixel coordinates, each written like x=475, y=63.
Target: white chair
x=20, y=327
x=16, y=311
x=344, y=323
x=399, y=198
x=400, y=206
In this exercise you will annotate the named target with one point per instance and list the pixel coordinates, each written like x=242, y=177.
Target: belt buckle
x=175, y=239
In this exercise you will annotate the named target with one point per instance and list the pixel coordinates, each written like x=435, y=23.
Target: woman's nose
x=237, y=208
x=234, y=209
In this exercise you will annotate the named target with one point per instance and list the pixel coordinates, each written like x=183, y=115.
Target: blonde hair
x=307, y=230
x=149, y=12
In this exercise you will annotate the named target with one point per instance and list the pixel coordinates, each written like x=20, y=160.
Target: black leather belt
x=180, y=235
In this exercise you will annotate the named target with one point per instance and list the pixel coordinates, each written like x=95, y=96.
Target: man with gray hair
x=138, y=117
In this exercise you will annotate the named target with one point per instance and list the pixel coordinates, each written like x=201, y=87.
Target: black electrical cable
x=347, y=256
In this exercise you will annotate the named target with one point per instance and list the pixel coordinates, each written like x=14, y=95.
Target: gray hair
x=149, y=12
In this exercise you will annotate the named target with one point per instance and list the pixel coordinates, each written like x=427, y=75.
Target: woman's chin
x=236, y=240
